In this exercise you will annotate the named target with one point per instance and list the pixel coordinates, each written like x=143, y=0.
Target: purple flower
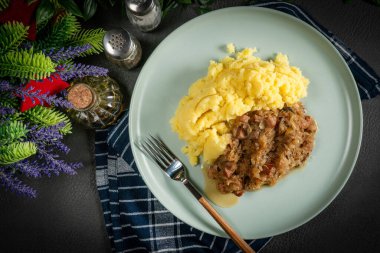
x=58, y=101
x=46, y=134
x=61, y=147
x=5, y=86
x=46, y=97
x=6, y=111
x=12, y=183
x=51, y=164
x=79, y=70
x=64, y=93
x=48, y=141
x=65, y=54
x=49, y=136
x=30, y=168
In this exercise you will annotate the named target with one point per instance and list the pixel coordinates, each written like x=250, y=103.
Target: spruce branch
x=4, y=4
x=63, y=29
x=7, y=100
x=11, y=132
x=12, y=34
x=31, y=142
x=43, y=117
x=26, y=64
x=94, y=37
x=16, y=152
x=41, y=26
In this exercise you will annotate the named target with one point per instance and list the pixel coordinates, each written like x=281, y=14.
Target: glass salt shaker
x=122, y=48
x=145, y=14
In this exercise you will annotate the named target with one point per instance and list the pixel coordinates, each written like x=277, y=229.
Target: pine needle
x=12, y=34
x=26, y=64
x=45, y=117
x=4, y=4
x=62, y=30
x=16, y=152
x=8, y=101
x=94, y=37
x=11, y=132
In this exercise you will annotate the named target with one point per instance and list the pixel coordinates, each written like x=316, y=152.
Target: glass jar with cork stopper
x=97, y=101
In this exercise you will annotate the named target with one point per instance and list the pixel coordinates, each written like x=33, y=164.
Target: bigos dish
x=245, y=119
x=265, y=146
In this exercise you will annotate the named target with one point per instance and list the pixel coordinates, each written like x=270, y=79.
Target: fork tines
x=155, y=148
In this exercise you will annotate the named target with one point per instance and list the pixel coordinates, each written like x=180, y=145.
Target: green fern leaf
x=94, y=37
x=16, y=152
x=11, y=132
x=44, y=117
x=41, y=26
x=63, y=29
x=7, y=101
x=4, y=4
x=11, y=36
x=26, y=64
x=13, y=117
x=56, y=4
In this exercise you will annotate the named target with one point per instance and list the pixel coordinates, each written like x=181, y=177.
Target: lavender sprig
x=12, y=183
x=5, y=86
x=48, y=141
x=6, y=111
x=49, y=136
x=58, y=101
x=46, y=134
x=30, y=168
x=65, y=54
x=51, y=164
x=35, y=95
x=61, y=147
x=79, y=70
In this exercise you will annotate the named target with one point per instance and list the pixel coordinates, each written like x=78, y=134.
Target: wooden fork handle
x=219, y=219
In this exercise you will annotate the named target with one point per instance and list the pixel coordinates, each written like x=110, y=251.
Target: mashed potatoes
x=232, y=87
x=230, y=48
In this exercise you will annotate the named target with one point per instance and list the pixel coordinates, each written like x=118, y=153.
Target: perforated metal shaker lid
x=139, y=7
x=117, y=43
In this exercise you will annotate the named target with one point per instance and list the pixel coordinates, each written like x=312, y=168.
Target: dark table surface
x=67, y=217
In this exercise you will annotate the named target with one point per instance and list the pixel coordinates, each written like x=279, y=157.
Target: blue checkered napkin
x=135, y=220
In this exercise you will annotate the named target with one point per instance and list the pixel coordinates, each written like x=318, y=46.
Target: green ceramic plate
x=332, y=100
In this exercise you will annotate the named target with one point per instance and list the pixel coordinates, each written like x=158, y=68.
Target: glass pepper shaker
x=97, y=101
x=122, y=48
x=145, y=14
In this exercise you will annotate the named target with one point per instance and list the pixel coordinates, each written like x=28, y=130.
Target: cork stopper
x=80, y=96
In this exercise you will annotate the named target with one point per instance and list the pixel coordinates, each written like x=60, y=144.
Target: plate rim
x=357, y=105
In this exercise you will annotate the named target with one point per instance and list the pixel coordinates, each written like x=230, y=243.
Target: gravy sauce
x=218, y=198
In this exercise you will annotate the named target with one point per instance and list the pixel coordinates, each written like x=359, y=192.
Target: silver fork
x=157, y=150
